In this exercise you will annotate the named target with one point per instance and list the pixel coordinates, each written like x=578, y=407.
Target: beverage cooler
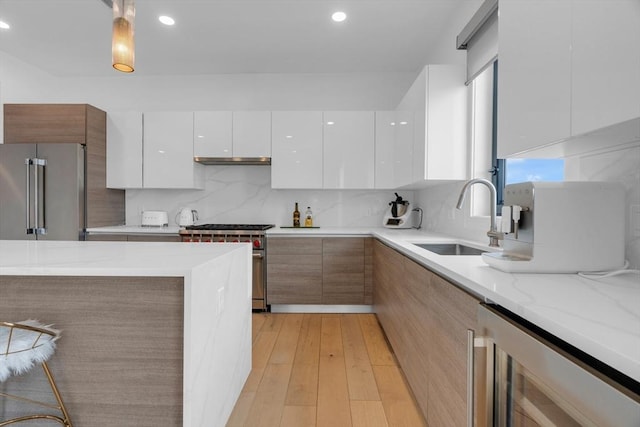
x=522, y=376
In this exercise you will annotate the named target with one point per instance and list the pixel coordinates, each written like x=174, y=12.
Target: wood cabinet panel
x=294, y=279
x=105, y=206
x=454, y=312
x=387, y=270
x=368, y=271
x=110, y=377
x=426, y=319
x=342, y=270
x=45, y=123
x=294, y=246
x=294, y=271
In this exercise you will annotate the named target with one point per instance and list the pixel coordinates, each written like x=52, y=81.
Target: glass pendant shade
x=122, y=44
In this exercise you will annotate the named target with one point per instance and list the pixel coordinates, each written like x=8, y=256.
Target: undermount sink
x=450, y=248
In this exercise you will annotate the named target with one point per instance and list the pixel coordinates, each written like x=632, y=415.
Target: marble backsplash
x=243, y=194
x=619, y=165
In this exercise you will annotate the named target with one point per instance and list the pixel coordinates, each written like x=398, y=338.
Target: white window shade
x=480, y=38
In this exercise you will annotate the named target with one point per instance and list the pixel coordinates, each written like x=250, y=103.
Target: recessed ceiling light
x=339, y=16
x=4, y=25
x=166, y=20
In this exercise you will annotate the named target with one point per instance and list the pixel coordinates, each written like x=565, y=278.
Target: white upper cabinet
x=252, y=134
x=168, y=151
x=212, y=134
x=534, y=74
x=435, y=108
x=403, y=147
x=349, y=147
x=296, y=158
x=605, y=63
x=566, y=68
x=225, y=134
x=385, y=137
x=394, y=148
x=124, y=150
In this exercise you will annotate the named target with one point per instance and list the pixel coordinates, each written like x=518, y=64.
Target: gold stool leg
x=56, y=392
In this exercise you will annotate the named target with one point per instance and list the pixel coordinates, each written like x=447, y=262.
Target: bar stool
x=22, y=346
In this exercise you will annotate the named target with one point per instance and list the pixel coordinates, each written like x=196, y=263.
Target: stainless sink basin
x=450, y=248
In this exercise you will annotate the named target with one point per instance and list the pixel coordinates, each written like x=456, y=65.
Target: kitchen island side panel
x=120, y=358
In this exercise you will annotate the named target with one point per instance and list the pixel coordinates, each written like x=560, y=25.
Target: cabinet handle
x=36, y=196
x=483, y=390
x=470, y=376
x=27, y=163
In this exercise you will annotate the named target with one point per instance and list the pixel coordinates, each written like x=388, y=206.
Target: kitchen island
x=153, y=334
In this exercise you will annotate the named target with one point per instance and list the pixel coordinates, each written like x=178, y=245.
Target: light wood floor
x=320, y=370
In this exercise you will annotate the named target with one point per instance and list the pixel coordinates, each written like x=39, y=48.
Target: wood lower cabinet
x=316, y=270
x=342, y=271
x=426, y=319
x=294, y=270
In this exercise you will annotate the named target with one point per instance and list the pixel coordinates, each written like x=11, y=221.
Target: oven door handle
x=258, y=255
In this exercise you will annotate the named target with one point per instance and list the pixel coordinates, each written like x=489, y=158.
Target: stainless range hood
x=257, y=161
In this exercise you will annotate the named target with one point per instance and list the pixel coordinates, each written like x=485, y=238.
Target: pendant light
x=122, y=44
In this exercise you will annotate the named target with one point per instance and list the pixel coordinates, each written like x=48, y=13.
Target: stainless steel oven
x=236, y=233
x=527, y=377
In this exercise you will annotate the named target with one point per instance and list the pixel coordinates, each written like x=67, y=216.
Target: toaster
x=155, y=219
x=561, y=227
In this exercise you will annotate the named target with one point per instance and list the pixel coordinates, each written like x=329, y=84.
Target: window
x=483, y=138
x=520, y=170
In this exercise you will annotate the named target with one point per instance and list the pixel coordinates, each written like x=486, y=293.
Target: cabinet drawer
x=294, y=246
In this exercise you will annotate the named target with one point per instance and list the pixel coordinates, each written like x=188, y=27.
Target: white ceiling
x=73, y=37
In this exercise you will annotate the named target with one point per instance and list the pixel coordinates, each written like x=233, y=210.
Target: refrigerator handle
x=36, y=196
x=29, y=230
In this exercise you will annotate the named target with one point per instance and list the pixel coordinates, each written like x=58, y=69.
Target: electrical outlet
x=220, y=300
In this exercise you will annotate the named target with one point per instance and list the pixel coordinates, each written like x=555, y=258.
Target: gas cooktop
x=227, y=227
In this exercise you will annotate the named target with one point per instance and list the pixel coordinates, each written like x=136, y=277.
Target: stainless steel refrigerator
x=42, y=191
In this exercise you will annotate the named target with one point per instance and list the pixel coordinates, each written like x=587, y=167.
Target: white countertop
x=319, y=231
x=600, y=317
x=63, y=258
x=134, y=229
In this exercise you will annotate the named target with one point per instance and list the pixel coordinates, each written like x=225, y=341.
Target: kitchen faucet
x=493, y=233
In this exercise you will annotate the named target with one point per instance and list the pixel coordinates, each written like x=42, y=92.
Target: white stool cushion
x=25, y=349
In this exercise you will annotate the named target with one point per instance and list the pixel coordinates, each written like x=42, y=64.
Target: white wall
x=620, y=165
x=349, y=91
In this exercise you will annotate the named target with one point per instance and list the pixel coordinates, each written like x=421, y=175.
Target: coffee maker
x=561, y=227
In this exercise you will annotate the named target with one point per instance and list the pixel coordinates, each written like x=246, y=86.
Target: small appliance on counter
x=561, y=227
x=186, y=217
x=398, y=215
x=155, y=219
